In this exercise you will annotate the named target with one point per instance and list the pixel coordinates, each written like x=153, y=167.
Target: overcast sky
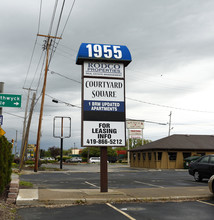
x=172, y=68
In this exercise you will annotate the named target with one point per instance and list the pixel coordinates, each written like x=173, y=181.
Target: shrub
x=6, y=159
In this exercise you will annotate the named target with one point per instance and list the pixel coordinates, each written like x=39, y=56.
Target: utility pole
x=43, y=99
x=25, y=119
x=170, y=116
x=27, y=132
x=1, y=91
x=16, y=144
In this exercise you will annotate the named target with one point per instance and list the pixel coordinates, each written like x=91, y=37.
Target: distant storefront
x=170, y=152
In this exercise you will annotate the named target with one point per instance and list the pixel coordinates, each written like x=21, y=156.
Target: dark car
x=202, y=168
x=189, y=160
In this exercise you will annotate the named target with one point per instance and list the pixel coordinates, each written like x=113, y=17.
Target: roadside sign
x=10, y=100
x=103, y=94
x=103, y=99
x=2, y=132
x=136, y=133
x=1, y=119
x=135, y=124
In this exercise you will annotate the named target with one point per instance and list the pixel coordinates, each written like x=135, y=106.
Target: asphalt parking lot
x=125, y=179
x=88, y=177
x=194, y=210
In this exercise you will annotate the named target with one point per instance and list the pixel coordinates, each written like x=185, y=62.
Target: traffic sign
x=2, y=132
x=10, y=100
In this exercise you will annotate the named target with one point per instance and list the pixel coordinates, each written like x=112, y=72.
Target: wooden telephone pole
x=43, y=99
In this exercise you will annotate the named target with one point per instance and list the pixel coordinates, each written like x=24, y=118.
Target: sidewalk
x=28, y=197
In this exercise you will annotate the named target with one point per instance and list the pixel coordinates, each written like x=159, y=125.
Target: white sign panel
x=136, y=133
x=101, y=69
x=103, y=89
x=103, y=133
x=135, y=124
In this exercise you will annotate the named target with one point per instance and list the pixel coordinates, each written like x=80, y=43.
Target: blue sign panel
x=103, y=52
x=104, y=106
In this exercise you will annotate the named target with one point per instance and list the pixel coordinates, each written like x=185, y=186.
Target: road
x=196, y=210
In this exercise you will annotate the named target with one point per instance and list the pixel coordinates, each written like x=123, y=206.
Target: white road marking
x=91, y=184
x=148, y=184
x=207, y=203
x=120, y=211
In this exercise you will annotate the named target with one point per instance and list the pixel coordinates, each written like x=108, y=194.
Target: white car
x=211, y=184
x=94, y=160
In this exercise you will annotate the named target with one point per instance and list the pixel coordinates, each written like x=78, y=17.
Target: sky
x=171, y=43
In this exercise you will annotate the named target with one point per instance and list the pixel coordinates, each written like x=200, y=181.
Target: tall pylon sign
x=103, y=93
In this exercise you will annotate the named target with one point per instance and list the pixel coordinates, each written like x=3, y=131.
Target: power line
x=149, y=103
x=57, y=29
x=152, y=122
x=53, y=16
x=37, y=68
x=14, y=115
x=53, y=51
x=40, y=15
x=66, y=77
x=71, y=9
x=58, y=100
x=34, y=47
x=166, y=106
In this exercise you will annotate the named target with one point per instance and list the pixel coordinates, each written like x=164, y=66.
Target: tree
x=54, y=151
x=44, y=153
x=137, y=142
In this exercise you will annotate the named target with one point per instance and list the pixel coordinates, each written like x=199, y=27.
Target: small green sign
x=10, y=100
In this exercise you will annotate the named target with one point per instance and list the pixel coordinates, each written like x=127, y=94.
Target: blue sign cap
x=103, y=52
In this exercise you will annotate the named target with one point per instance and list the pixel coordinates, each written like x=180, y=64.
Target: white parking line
x=207, y=203
x=125, y=214
x=91, y=184
x=148, y=184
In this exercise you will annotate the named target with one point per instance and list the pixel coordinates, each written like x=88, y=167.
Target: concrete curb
x=14, y=189
x=76, y=201
x=35, y=197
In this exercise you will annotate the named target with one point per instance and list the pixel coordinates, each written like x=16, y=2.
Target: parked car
x=202, y=168
x=74, y=160
x=211, y=184
x=189, y=160
x=94, y=160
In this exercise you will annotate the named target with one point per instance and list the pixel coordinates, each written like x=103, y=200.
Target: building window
x=172, y=156
x=134, y=156
x=138, y=155
x=200, y=153
x=144, y=156
x=186, y=154
x=150, y=156
x=159, y=156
